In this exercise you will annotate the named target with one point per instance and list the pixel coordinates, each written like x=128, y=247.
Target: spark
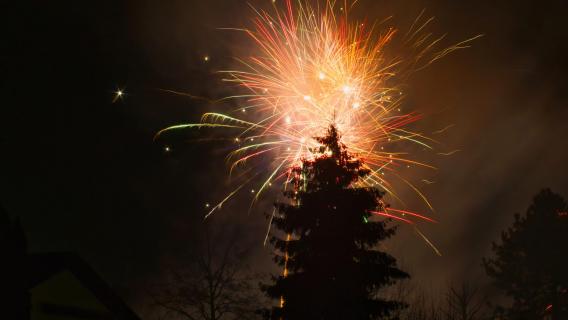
x=443, y=129
x=449, y=153
x=269, y=226
x=405, y=212
x=423, y=236
x=118, y=94
x=388, y=215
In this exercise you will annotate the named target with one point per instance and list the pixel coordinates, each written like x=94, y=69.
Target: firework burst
x=313, y=68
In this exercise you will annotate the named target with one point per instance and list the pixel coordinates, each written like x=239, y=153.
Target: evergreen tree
x=531, y=262
x=332, y=270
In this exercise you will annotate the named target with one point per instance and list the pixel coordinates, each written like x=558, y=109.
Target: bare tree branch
x=213, y=286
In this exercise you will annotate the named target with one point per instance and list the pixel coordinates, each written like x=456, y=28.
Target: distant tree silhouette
x=422, y=305
x=531, y=262
x=463, y=303
x=213, y=286
x=459, y=302
x=332, y=270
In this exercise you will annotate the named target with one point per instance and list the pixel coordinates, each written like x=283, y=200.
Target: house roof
x=44, y=265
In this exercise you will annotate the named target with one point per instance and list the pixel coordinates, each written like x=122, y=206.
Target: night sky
x=83, y=174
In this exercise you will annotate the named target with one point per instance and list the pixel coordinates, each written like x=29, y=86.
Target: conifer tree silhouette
x=332, y=267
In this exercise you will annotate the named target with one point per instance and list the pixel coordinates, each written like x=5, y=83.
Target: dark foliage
x=531, y=262
x=333, y=272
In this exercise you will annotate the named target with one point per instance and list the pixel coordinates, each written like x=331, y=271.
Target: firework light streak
x=313, y=68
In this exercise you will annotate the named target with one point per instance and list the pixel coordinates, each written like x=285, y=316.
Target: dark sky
x=83, y=174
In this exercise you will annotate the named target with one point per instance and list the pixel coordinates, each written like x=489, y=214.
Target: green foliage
x=531, y=262
x=334, y=272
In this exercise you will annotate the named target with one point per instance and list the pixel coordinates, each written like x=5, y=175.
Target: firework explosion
x=316, y=68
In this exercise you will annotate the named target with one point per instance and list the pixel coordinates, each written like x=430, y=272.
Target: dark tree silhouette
x=463, y=303
x=531, y=262
x=213, y=286
x=422, y=305
x=333, y=272
x=459, y=302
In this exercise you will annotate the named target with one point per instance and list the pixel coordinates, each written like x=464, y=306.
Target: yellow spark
x=118, y=94
x=449, y=153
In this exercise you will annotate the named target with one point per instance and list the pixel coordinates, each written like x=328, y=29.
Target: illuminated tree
x=327, y=242
x=531, y=262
